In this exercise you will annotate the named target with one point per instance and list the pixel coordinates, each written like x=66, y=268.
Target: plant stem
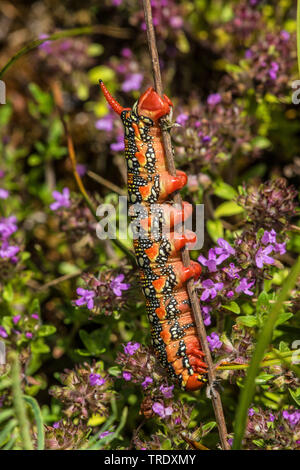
x=283, y=357
x=216, y=399
x=19, y=404
x=99, y=29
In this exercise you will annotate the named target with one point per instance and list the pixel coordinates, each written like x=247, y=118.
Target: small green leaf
x=224, y=190
x=227, y=209
x=215, y=229
x=115, y=371
x=283, y=317
x=263, y=378
x=295, y=394
x=206, y=428
x=46, y=330
x=248, y=320
x=233, y=307
x=8, y=293
x=261, y=142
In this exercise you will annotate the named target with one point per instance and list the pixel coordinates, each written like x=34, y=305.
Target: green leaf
x=46, y=330
x=206, y=428
x=224, y=190
x=263, y=304
x=233, y=307
x=35, y=307
x=215, y=229
x=263, y=378
x=39, y=347
x=283, y=317
x=94, y=341
x=39, y=421
x=261, y=142
x=115, y=371
x=248, y=320
x=8, y=293
x=227, y=209
x=295, y=394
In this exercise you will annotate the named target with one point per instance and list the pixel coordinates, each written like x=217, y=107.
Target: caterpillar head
x=152, y=105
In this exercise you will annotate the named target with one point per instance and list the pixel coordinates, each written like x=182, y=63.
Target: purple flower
x=126, y=52
x=61, y=199
x=166, y=391
x=126, y=376
x=3, y=193
x=118, y=146
x=232, y=271
x=293, y=417
x=271, y=417
x=251, y=412
x=206, y=138
x=285, y=35
x=248, y=54
x=244, y=286
x=81, y=169
x=206, y=316
x=3, y=332
x=262, y=257
x=224, y=249
x=230, y=294
x=182, y=118
x=130, y=348
x=133, y=81
x=269, y=237
x=214, y=341
x=105, y=124
x=16, y=319
x=117, y=285
x=56, y=425
x=214, y=99
x=212, y=261
x=160, y=410
x=35, y=316
x=104, y=434
x=96, y=379
x=273, y=70
x=230, y=441
x=147, y=381
x=9, y=251
x=116, y=3
x=7, y=227
x=176, y=22
x=210, y=289
x=87, y=297
x=280, y=248
x=28, y=335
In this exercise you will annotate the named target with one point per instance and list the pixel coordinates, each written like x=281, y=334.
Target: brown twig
x=216, y=399
x=106, y=183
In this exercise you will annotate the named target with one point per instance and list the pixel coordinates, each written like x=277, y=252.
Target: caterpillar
x=162, y=273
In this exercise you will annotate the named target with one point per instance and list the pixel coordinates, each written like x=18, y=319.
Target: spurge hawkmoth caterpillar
x=162, y=273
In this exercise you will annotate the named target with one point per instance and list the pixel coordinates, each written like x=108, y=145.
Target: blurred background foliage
x=228, y=67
